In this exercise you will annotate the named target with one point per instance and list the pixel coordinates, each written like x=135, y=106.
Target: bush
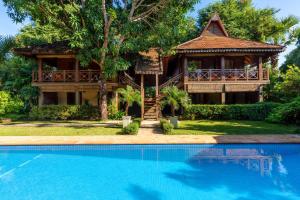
x=116, y=116
x=166, y=126
x=64, y=112
x=288, y=113
x=137, y=120
x=131, y=129
x=8, y=104
x=258, y=111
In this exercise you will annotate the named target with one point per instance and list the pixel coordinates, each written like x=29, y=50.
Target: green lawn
x=57, y=131
x=210, y=127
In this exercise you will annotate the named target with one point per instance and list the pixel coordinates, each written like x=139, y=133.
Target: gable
x=214, y=29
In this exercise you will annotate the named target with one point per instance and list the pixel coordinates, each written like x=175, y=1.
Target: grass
x=57, y=131
x=210, y=127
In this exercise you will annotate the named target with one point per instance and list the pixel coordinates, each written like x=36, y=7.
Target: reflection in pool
x=230, y=172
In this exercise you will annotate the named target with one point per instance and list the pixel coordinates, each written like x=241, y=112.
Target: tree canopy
x=243, y=20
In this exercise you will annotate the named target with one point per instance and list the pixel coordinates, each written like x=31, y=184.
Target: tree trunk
x=103, y=98
x=127, y=108
x=173, y=111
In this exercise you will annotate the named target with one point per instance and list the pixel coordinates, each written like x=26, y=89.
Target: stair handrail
x=125, y=78
x=171, y=81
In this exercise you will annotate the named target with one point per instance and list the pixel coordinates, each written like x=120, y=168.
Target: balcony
x=67, y=76
x=227, y=75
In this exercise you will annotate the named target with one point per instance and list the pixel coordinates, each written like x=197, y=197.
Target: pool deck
x=147, y=139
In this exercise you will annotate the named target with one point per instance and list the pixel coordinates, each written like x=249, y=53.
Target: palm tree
x=6, y=44
x=129, y=96
x=175, y=98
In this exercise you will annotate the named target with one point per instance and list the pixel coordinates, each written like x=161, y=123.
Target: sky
x=287, y=7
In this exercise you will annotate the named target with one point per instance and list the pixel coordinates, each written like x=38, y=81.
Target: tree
x=293, y=58
x=175, y=98
x=129, y=96
x=6, y=44
x=290, y=86
x=102, y=30
x=243, y=20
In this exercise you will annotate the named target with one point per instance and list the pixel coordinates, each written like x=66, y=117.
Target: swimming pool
x=154, y=172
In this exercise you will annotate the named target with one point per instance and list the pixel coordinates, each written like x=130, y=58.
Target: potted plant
x=175, y=98
x=129, y=96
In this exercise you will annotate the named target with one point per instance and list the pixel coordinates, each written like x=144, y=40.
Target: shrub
x=64, y=112
x=137, y=120
x=116, y=116
x=288, y=113
x=257, y=111
x=167, y=127
x=8, y=104
x=131, y=129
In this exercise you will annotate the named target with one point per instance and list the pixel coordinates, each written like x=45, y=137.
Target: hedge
x=166, y=126
x=9, y=104
x=131, y=129
x=64, y=112
x=288, y=113
x=259, y=111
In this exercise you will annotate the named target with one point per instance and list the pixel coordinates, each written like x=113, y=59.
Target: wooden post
x=77, y=98
x=223, y=68
x=117, y=100
x=41, y=99
x=260, y=95
x=156, y=96
x=186, y=73
x=142, y=96
x=40, y=69
x=77, y=71
x=260, y=68
x=223, y=97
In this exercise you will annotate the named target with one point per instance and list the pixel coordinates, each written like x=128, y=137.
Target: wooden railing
x=92, y=76
x=175, y=80
x=125, y=79
x=227, y=75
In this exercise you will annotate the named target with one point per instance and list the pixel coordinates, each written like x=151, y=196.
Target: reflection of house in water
x=252, y=159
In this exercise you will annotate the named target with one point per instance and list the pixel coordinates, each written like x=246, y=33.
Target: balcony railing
x=227, y=75
x=67, y=76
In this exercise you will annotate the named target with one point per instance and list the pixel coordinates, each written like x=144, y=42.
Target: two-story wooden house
x=213, y=68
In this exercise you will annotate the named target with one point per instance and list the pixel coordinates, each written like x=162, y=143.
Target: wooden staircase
x=151, y=109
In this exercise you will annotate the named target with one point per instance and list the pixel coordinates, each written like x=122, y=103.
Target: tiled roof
x=221, y=42
x=214, y=38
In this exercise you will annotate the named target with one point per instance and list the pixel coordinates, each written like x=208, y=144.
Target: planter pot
x=126, y=121
x=174, y=121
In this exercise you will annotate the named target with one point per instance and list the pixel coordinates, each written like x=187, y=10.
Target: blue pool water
x=154, y=172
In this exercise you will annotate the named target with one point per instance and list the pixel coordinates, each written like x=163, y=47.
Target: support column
x=40, y=69
x=41, y=99
x=116, y=99
x=77, y=71
x=77, y=98
x=260, y=68
x=260, y=95
x=185, y=73
x=142, y=96
x=156, y=95
x=223, y=97
x=223, y=67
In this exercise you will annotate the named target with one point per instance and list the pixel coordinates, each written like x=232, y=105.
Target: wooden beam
x=77, y=98
x=260, y=68
x=56, y=56
x=223, y=67
x=77, y=71
x=185, y=72
x=40, y=70
x=41, y=99
x=142, y=96
x=261, y=97
x=156, y=94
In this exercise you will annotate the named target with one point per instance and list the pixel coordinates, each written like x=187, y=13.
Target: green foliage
x=9, y=104
x=150, y=92
x=243, y=20
x=131, y=129
x=175, y=98
x=15, y=77
x=293, y=58
x=288, y=113
x=6, y=44
x=137, y=120
x=113, y=112
x=166, y=126
x=230, y=112
x=129, y=96
x=64, y=112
